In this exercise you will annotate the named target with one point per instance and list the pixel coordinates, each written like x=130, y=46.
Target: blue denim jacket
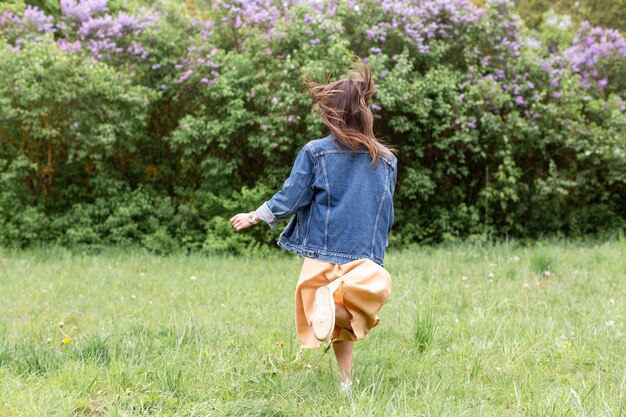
x=342, y=205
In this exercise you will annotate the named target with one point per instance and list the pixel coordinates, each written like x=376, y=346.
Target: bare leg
x=342, y=316
x=343, y=353
x=343, y=350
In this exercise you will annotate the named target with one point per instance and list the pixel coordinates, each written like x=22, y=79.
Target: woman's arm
x=392, y=187
x=297, y=192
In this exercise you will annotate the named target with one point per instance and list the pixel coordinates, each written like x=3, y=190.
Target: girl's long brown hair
x=345, y=108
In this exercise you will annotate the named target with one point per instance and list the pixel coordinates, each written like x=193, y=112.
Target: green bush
x=156, y=130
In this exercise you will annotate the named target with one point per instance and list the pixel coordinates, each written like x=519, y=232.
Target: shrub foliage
x=127, y=124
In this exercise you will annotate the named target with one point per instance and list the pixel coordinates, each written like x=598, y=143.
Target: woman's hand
x=240, y=221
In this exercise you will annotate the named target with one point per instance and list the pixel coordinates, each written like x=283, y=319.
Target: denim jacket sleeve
x=296, y=193
x=392, y=187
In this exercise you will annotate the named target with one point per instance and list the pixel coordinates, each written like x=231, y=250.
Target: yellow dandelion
x=281, y=343
x=66, y=340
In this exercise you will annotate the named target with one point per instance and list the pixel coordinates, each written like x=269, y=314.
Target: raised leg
x=342, y=316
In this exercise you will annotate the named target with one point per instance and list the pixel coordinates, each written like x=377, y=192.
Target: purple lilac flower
x=424, y=20
x=37, y=19
x=591, y=48
x=67, y=46
x=82, y=10
x=263, y=14
x=185, y=76
x=8, y=18
x=137, y=49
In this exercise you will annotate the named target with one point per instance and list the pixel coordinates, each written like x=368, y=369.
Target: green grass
x=470, y=330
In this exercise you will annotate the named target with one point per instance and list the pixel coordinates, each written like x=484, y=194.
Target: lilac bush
x=82, y=11
x=30, y=26
x=419, y=23
x=84, y=25
x=500, y=130
x=591, y=50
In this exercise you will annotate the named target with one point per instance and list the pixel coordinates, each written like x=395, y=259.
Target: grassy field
x=517, y=329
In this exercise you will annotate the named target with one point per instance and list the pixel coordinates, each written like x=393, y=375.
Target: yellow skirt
x=362, y=286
